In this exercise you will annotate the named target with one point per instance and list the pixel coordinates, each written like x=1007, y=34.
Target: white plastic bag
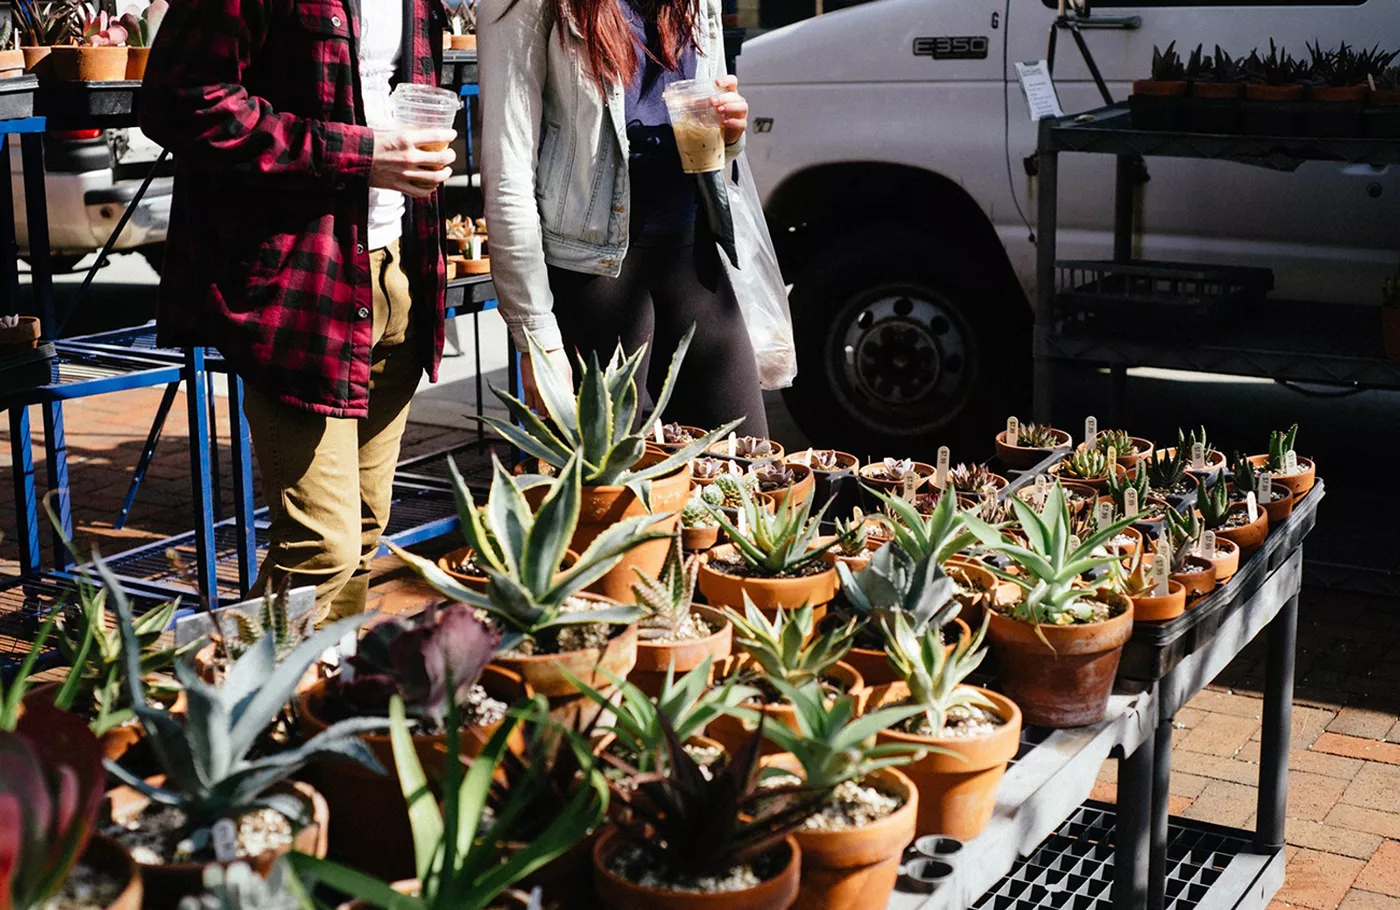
x=758, y=283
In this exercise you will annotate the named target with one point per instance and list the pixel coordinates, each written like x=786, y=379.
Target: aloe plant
x=784, y=647
x=938, y=536
x=1213, y=501
x=46, y=24
x=521, y=551
x=1281, y=442
x=776, y=543
x=601, y=425
x=853, y=535
x=894, y=582
x=12, y=696
x=934, y=674
x=1120, y=483
x=667, y=598
x=51, y=787
x=1182, y=531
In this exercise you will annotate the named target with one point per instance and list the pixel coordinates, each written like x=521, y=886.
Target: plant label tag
x=1159, y=575
x=1105, y=514
x=732, y=467
x=1112, y=460
x=1091, y=431
x=805, y=459
x=1073, y=542
x=1208, y=544
x=1042, y=487
x=475, y=246
x=743, y=523
x=911, y=483
x=1013, y=431
x=733, y=444
x=1253, y=505
x=1198, y=456
x=1130, y=502
x=1264, y=483
x=225, y=837
x=1290, y=462
x=940, y=476
x=659, y=433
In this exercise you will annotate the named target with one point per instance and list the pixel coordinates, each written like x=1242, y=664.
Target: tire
x=939, y=348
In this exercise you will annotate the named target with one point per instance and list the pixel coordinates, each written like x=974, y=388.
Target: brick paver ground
x=1344, y=789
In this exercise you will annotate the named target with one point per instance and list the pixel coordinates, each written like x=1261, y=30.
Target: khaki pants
x=327, y=480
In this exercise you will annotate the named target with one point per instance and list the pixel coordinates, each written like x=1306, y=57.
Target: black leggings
x=667, y=284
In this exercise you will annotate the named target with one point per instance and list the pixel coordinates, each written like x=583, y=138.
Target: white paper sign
x=660, y=433
x=1038, y=87
x=911, y=483
x=805, y=459
x=1013, y=431
x=1112, y=460
x=1091, y=431
x=1042, y=489
x=940, y=477
x=475, y=246
x=1290, y=462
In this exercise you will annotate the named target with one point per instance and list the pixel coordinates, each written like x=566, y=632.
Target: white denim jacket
x=554, y=155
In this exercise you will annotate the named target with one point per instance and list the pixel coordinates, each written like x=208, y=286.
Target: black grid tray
x=17, y=97
x=1073, y=868
x=458, y=69
x=88, y=105
x=1127, y=293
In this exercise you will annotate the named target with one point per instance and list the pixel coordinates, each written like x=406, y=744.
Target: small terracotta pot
x=83, y=63
x=136, y=58
x=697, y=540
x=38, y=61
x=116, y=742
x=1250, y=537
x=1152, y=608
x=874, y=665
x=893, y=487
x=541, y=671
x=385, y=848
x=11, y=63
x=1256, y=92
x=654, y=659
x=721, y=449
x=480, y=266
x=1197, y=584
x=957, y=789
x=1020, y=458
x=462, y=42
x=454, y=558
x=1068, y=683
x=856, y=868
x=668, y=447
x=1338, y=94
x=1097, y=484
x=111, y=857
x=1226, y=559
x=1298, y=483
x=1279, y=508
x=855, y=563
x=616, y=893
x=604, y=506
x=768, y=594
x=800, y=491
x=1153, y=88
x=1141, y=449
x=731, y=732
x=163, y=885
x=1217, y=90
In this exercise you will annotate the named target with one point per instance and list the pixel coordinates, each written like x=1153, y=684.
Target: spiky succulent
x=776, y=543
x=238, y=887
x=728, y=490
x=971, y=478
x=695, y=515
x=1052, y=562
x=1166, y=473
x=771, y=475
x=853, y=535
x=938, y=535
x=667, y=598
x=933, y=673
x=1281, y=442
x=1188, y=442
x=1117, y=440
x=271, y=619
x=895, y=582
x=1085, y=464
x=1037, y=436
x=687, y=705
x=1121, y=482
x=1245, y=476
x=1135, y=580
x=47, y=24
x=51, y=786
x=834, y=742
x=601, y=427
x=528, y=593
x=1278, y=67
x=708, y=468
x=142, y=24
x=1182, y=530
x=784, y=648
x=1346, y=66
x=1213, y=501
x=1167, y=65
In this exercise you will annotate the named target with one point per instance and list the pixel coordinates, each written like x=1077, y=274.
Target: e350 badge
x=973, y=47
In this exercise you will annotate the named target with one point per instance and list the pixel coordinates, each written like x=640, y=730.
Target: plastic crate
x=1158, y=291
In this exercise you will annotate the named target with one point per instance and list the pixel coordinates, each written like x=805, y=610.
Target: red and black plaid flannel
x=258, y=102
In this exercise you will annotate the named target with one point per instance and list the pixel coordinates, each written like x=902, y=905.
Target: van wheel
x=904, y=346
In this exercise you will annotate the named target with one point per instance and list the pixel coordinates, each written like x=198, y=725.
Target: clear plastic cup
x=698, y=126
x=425, y=107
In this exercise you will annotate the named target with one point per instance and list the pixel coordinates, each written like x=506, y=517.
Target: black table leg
x=1278, y=727
x=1132, y=837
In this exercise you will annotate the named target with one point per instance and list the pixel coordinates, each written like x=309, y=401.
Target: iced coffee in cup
x=698, y=125
x=425, y=107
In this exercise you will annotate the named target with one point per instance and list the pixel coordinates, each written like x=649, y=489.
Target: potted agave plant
x=461, y=24
x=969, y=733
x=1216, y=90
x=1150, y=510
x=1231, y=520
x=851, y=544
x=41, y=26
x=1034, y=443
x=1339, y=86
x=685, y=840
x=1058, y=647
x=855, y=837
x=547, y=622
x=940, y=537
x=676, y=635
x=141, y=27
x=1189, y=565
x=774, y=562
x=601, y=427
x=775, y=480
x=1137, y=583
x=785, y=648
x=1158, y=101
x=1244, y=479
x=1212, y=459
x=1273, y=87
x=1167, y=475
x=99, y=55
x=1296, y=473
x=50, y=800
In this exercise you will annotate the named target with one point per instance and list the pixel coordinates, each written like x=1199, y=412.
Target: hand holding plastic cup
x=698, y=125
x=425, y=107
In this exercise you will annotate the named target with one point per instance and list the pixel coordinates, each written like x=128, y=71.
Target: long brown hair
x=608, y=38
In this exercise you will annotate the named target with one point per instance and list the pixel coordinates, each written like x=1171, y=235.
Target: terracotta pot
x=855, y=563
x=869, y=477
x=1097, y=484
x=385, y=848
x=454, y=558
x=38, y=61
x=604, y=506
x=800, y=491
x=1280, y=507
x=11, y=63
x=874, y=665
x=1338, y=94
x=1226, y=559
x=855, y=869
x=721, y=449
x=1298, y=483
x=697, y=540
x=1249, y=537
x=463, y=42
x=655, y=658
x=111, y=857
x=1152, y=608
x=1197, y=584
x=1217, y=90
x=163, y=885
x=1022, y=457
x=136, y=58
x=731, y=732
x=669, y=447
x=542, y=673
x=117, y=743
x=83, y=63
x=1155, y=89
x=1141, y=449
x=1255, y=92
x=480, y=266
x=768, y=594
x=616, y=893
x=1068, y=683
x=957, y=791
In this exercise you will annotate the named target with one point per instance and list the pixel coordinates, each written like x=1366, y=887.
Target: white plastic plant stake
x=911, y=483
x=733, y=443
x=1198, y=456
x=733, y=467
x=1112, y=460
x=475, y=242
x=805, y=459
x=659, y=433
x=1265, y=485
x=1253, y=505
x=225, y=837
x=1074, y=542
x=1130, y=502
x=1091, y=431
x=1105, y=514
x=1208, y=544
x=1013, y=431
x=940, y=476
x=1290, y=462
x=743, y=523
x=1042, y=489
x=1159, y=575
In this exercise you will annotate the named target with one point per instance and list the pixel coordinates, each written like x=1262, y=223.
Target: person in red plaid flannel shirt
x=305, y=244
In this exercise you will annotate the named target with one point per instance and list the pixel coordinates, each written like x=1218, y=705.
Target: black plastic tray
x=458, y=69
x=1160, y=291
x=17, y=97
x=88, y=105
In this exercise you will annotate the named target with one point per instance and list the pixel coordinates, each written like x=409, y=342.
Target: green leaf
x=555, y=391
x=353, y=882
x=439, y=580
x=509, y=516
x=521, y=438
x=595, y=414
x=553, y=528
x=423, y=815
